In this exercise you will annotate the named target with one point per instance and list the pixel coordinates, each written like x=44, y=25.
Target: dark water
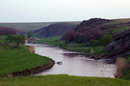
x=73, y=63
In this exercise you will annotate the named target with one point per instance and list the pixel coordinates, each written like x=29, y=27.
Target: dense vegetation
x=62, y=80
x=16, y=59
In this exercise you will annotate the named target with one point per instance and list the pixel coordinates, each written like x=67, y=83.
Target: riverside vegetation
x=16, y=59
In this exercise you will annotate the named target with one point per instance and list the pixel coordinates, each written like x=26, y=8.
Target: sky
x=62, y=10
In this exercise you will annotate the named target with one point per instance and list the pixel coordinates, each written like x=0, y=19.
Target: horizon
x=54, y=21
x=59, y=11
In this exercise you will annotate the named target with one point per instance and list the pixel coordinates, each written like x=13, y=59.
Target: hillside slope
x=29, y=26
x=52, y=30
x=101, y=32
x=7, y=31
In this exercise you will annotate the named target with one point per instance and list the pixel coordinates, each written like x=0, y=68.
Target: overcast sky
x=62, y=10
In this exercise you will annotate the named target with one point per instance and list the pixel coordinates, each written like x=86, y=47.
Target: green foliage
x=118, y=29
x=19, y=59
x=95, y=43
x=52, y=41
x=105, y=40
x=62, y=80
x=17, y=39
x=29, y=34
x=79, y=39
x=84, y=49
x=79, y=47
x=2, y=39
x=126, y=74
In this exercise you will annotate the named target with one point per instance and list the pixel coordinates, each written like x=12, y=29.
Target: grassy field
x=15, y=60
x=81, y=48
x=18, y=59
x=52, y=41
x=62, y=80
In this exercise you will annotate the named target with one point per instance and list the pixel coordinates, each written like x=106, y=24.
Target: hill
x=7, y=31
x=95, y=28
x=52, y=30
x=29, y=26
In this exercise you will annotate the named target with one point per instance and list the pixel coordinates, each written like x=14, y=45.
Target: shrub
x=106, y=39
x=121, y=66
x=94, y=43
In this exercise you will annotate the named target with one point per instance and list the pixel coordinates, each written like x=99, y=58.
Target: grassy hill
x=7, y=31
x=29, y=26
x=52, y=30
x=62, y=80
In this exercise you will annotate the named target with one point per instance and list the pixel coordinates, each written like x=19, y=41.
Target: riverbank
x=62, y=80
x=32, y=70
x=20, y=62
x=78, y=47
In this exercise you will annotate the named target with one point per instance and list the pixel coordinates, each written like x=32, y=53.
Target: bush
x=94, y=43
x=106, y=39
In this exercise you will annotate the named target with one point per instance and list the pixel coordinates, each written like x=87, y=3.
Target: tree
x=83, y=35
x=29, y=34
x=70, y=36
x=17, y=39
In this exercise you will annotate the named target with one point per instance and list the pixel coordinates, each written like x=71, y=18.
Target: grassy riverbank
x=18, y=59
x=62, y=80
x=79, y=47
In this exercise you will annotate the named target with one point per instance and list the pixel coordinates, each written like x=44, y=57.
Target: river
x=74, y=63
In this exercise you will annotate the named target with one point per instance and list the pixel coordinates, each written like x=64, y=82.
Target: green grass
x=126, y=72
x=79, y=47
x=82, y=47
x=18, y=59
x=2, y=39
x=52, y=41
x=62, y=80
x=119, y=29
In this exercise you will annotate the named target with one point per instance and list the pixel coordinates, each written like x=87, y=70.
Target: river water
x=74, y=63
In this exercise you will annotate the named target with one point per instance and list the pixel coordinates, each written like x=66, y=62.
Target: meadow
x=62, y=80
x=18, y=59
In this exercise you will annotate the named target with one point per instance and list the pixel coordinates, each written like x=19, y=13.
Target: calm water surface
x=73, y=63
